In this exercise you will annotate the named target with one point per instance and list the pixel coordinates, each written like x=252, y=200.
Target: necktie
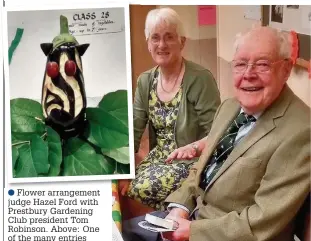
x=224, y=148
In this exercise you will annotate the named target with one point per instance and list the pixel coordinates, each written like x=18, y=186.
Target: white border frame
x=8, y=151
x=2, y=175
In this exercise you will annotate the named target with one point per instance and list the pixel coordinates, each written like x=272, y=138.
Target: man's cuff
x=176, y=205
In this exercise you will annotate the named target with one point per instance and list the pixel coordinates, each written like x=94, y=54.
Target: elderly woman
x=178, y=100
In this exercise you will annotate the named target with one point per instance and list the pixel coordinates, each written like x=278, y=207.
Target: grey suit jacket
x=262, y=184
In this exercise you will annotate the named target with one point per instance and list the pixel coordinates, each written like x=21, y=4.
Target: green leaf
x=123, y=168
x=43, y=175
x=108, y=165
x=116, y=104
x=103, y=150
x=16, y=150
x=21, y=137
x=121, y=155
x=25, y=166
x=105, y=130
x=80, y=159
x=15, y=155
x=33, y=158
x=55, y=152
x=40, y=153
x=26, y=116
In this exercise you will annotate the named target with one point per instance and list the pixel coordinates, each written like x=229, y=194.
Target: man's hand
x=181, y=217
x=177, y=213
x=185, y=152
x=182, y=233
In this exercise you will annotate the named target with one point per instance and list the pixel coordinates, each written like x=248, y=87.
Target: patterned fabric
x=224, y=148
x=116, y=210
x=155, y=179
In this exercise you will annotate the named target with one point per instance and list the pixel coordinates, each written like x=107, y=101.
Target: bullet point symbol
x=11, y=192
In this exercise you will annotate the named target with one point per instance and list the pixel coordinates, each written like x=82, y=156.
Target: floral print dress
x=155, y=179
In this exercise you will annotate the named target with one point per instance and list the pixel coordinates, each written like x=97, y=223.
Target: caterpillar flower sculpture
x=63, y=91
x=62, y=136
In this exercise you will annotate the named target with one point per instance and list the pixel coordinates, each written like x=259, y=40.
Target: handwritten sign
x=110, y=20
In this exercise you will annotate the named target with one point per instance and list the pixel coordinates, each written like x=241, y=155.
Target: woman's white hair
x=166, y=15
x=284, y=41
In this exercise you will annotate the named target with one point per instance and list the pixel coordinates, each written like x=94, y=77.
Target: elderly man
x=254, y=173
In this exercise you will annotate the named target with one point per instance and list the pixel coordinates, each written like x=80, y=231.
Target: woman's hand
x=186, y=152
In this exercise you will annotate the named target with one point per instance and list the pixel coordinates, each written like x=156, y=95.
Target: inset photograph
x=68, y=76
x=292, y=6
x=277, y=13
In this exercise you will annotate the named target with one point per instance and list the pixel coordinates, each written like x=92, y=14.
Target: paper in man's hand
x=156, y=224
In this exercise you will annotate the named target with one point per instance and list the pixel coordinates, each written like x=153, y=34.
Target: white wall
x=104, y=62
x=231, y=21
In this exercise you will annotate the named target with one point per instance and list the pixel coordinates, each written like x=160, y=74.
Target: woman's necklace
x=168, y=92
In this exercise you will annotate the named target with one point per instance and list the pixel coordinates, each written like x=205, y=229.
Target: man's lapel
x=264, y=125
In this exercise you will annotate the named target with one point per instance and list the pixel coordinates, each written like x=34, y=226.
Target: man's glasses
x=260, y=66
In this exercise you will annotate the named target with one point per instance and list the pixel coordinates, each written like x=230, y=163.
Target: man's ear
x=288, y=68
x=183, y=42
x=82, y=48
x=46, y=48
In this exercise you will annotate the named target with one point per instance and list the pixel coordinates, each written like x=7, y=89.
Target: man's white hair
x=166, y=15
x=284, y=41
